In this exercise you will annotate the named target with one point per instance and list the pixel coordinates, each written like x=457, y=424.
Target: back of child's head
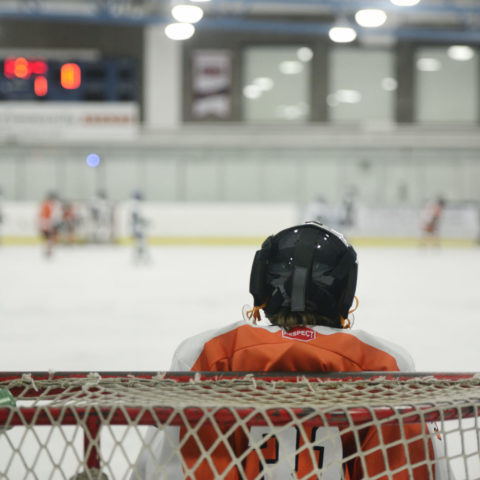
x=305, y=275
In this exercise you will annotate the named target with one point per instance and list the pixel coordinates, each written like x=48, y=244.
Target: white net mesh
x=143, y=425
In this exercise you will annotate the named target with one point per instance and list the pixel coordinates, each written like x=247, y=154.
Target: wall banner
x=211, y=84
x=68, y=121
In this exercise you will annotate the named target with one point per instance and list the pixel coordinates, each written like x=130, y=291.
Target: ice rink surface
x=92, y=308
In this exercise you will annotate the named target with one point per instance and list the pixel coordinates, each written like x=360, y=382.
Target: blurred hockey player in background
x=139, y=228
x=341, y=215
x=430, y=217
x=304, y=280
x=320, y=211
x=349, y=208
x=101, y=216
x=69, y=222
x=49, y=221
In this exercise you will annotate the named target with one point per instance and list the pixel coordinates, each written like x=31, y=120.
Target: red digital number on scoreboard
x=23, y=68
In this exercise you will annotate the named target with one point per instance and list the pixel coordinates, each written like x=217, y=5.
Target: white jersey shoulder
x=190, y=349
x=404, y=360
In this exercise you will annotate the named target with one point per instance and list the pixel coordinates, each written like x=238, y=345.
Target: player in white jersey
x=101, y=216
x=139, y=227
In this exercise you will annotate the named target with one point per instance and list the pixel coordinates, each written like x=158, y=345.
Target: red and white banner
x=211, y=84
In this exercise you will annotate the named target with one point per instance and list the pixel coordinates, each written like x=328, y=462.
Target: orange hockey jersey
x=246, y=347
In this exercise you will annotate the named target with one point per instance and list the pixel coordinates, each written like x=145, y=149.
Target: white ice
x=94, y=309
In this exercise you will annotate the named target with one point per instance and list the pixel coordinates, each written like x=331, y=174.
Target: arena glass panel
x=280, y=177
x=460, y=183
x=386, y=177
x=201, y=179
x=471, y=170
x=362, y=85
x=342, y=173
x=7, y=178
x=242, y=178
x=40, y=175
x=445, y=88
x=276, y=84
x=121, y=176
x=403, y=182
x=80, y=182
x=441, y=176
x=320, y=178
x=159, y=177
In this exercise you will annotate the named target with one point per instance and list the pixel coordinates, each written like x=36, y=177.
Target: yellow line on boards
x=199, y=240
x=410, y=242
x=20, y=241
x=407, y=242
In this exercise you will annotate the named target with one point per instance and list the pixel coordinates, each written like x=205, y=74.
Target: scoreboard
x=34, y=78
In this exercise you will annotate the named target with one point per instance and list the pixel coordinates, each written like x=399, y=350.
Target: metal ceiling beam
x=439, y=35
x=236, y=15
x=135, y=9
x=446, y=7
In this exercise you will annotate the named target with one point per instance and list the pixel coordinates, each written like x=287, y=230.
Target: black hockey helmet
x=306, y=267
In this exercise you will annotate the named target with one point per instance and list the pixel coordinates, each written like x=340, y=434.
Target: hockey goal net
x=216, y=425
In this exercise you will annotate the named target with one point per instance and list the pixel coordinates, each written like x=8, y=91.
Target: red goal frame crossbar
x=93, y=417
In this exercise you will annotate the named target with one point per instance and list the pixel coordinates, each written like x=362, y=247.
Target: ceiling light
x=187, y=13
x=344, y=96
x=289, y=112
x=263, y=83
x=348, y=96
x=405, y=3
x=342, y=34
x=426, y=64
x=389, y=84
x=370, y=17
x=179, y=31
x=304, y=54
x=332, y=100
x=252, y=91
x=303, y=107
x=290, y=67
x=462, y=53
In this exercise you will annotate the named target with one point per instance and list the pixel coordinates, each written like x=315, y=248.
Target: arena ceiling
x=438, y=21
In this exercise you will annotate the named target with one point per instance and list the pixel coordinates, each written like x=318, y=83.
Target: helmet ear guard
x=346, y=270
x=303, y=267
x=351, y=286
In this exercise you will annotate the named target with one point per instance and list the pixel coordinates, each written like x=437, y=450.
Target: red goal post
x=65, y=424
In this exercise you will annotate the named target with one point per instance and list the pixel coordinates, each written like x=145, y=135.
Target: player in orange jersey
x=304, y=279
x=430, y=216
x=49, y=220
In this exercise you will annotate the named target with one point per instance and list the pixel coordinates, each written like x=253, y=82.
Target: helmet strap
x=254, y=313
x=356, y=305
x=302, y=259
x=347, y=322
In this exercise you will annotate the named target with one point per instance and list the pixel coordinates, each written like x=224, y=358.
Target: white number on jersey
x=281, y=448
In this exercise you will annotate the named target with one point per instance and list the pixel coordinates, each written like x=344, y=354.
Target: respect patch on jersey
x=303, y=334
